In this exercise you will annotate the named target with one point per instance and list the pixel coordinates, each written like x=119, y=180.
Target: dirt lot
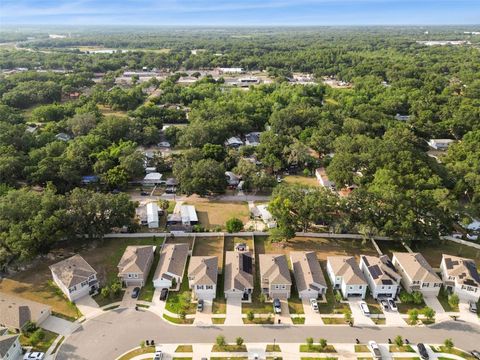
x=432, y=251
x=302, y=180
x=213, y=214
x=209, y=246
x=231, y=241
x=180, y=240
x=33, y=283
x=389, y=247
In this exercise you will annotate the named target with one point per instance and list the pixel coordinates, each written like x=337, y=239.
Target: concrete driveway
x=441, y=315
x=311, y=317
x=466, y=314
x=127, y=300
x=359, y=319
x=393, y=318
x=59, y=325
x=284, y=317
x=204, y=317
x=234, y=311
x=88, y=307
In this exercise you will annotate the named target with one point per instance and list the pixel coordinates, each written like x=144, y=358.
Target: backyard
x=210, y=246
x=301, y=180
x=433, y=252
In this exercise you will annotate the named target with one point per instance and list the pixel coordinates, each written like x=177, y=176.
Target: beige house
x=461, y=277
x=416, y=273
x=275, y=276
x=202, y=276
x=135, y=264
x=15, y=312
x=308, y=274
x=171, y=265
x=381, y=275
x=75, y=277
x=238, y=274
x=10, y=348
x=345, y=274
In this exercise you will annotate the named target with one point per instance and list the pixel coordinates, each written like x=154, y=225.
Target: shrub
x=116, y=287
x=428, y=312
x=182, y=314
x=239, y=341
x=338, y=296
x=448, y=344
x=405, y=297
x=220, y=341
x=417, y=297
x=250, y=315
x=413, y=316
x=174, y=283
x=398, y=340
x=105, y=292
x=142, y=344
x=234, y=225
x=348, y=315
x=322, y=343
x=453, y=300
x=37, y=336
x=309, y=342
x=29, y=327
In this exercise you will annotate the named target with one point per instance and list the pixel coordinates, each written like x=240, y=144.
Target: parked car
x=422, y=350
x=277, y=307
x=364, y=307
x=476, y=354
x=375, y=350
x=457, y=235
x=392, y=305
x=144, y=193
x=314, y=304
x=472, y=306
x=34, y=356
x=135, y=292
x=384, y=304
x=164, y=294
x=200, y=305
x=158, y=355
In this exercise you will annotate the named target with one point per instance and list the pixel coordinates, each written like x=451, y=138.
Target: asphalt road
x=111, y=334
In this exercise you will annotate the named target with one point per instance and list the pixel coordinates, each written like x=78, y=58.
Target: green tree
x=453, y=300
x=309, y=342
x=220, y=341
x=234, y=225
x=250, y=315
x=239, y=341
x=417, y=297
x=322, y=343
x=398, y=340
x=105, y=292
x=413, y=316
x=429, y=313
x=448, y=343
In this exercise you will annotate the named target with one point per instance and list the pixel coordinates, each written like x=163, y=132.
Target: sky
x=240, y=12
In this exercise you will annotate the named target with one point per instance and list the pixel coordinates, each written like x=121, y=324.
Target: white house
x=345, y=275
x=234, y=70
x=202, y=276
x=323, y=179
x=153, y=178
x=308, y=274
x=416, y=273
x=252, y=139
x=171, y=265
x=152, y=215
x=10, y=348
x=232, y=179
x=461, y=277
x=381, y=275
x=266, y=216
x=75, y=277
x=234, y=142
x=440, y=144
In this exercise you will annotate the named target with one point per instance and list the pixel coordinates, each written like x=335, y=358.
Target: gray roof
x=307, y=271
x=464, y=270
x=72, y=271
x=347, y=267
x=381, y=270
x=6, y=342
x=274, y=270
x=172, y=260
x=203, y=270
x=135, y=259
x=16, y=311
x=416, y=267
x=238, y=271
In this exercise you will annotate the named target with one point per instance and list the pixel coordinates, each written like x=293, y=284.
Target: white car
x=34, y=356
x=158, y=355
x=364, y=307
x=375, y=350
x=314, y=304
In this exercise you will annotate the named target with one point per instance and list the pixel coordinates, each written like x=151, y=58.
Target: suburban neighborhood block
x=345, y=275
x=202, y=276
x=75, y=277
x=308, y=274
x=135, y=264
x=275, y=276
x=381, y=275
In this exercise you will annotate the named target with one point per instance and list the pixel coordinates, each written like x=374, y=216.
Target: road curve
x=111, y=334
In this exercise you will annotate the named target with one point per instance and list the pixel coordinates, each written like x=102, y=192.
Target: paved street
x=111, y=334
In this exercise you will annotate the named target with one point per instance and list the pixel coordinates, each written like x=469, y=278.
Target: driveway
x=128, y=301
x=441, y=315
x=466, y=314
x=88, y=307
x=204, y=317
x=284, y=317
x=234, y=311
x=359, y=319
x=59, y=325
x=311, y=317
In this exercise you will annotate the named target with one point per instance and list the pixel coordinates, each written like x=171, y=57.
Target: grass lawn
x=298, y=320
x=453, y=351
x=379, y=321
x=180, y=240
x=43, y=345
x=273, y=348
x=295, y=306
x=175, y=303
x=103, y=301
x=332, y=306
x=433, y=252
x=218, y=321
x=137, y=352
x=389, y=247
x=334, y=321
x=259, y=321
x=184, y=348
x=210, y=246
x=213, y=214
x=301, y=180
x=373, y=305
x=361, y=348
x=443, y=299
x=404, y=348
x=107, y=111
x=317, y=348
x=178, y=320
x=229, y=348
x=146, y=293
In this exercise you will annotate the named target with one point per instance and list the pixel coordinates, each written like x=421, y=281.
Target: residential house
x=461, y=277
x=182, y=218
x=134, y=266
x=308, y=274
x=235, y=70
x=247, y=81
x=275, y=276
x=75, y=277
x=400, y=117
x=252, y=139
x=381, y=275
x=232, y=179
x=234, y=142
x=10, y=348
x=238, y=274
x=152, y=215
x=15, y=312
x=323, y=179
x=171, y=265
x=417, y=274
x=63, y=137
x=440, y=144
x=266, y=216
x=346, y=276
x=202, y=276
x=152, y=179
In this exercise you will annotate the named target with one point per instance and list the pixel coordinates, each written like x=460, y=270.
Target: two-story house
x=202, y=276
x=460, y=276
x=346, y=276
x=15, y=312
x=416, y=273
x=171, y=266
x=308, y=274
x=275, y=277
x=75, y=277
x=238, y=275
x=135, y=264
x=381, y=275
x=10, y=348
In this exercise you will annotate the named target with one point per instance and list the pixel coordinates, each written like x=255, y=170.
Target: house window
x=129, y=276
x=284, y=287
x=199, y=287
x=360, y=287
x=426, y=285
x=135, y=276
x=209, y=287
